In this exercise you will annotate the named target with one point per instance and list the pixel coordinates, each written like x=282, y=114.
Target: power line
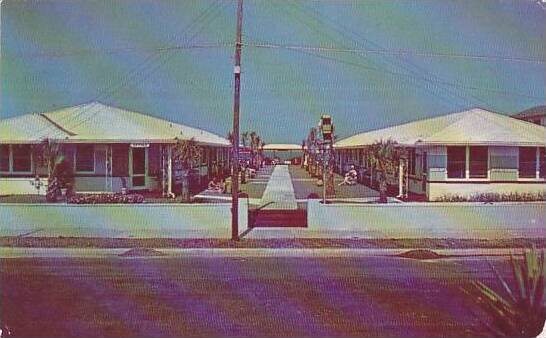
x=436, y=80
x=439, y=95
x=400, y=52
x=309, y=51
x=111, y=90
x=76, y=52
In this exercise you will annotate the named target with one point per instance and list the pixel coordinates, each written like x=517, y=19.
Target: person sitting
x=216, y=185
x=350, y=177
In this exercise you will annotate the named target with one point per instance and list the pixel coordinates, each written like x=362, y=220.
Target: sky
x=367, y=63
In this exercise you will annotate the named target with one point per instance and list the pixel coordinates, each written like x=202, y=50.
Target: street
x=242, y=296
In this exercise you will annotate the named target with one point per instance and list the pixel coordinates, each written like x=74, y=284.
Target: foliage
x=107, y=198
x=494, y=197
x=60, y=173
x=188, y=152
x=521, y=312
x=312, y=147
x=244, y=138
x=385, y=157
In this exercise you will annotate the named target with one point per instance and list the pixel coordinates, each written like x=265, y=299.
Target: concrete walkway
x=279, y=193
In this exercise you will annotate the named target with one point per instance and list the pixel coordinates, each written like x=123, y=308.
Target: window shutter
x=120, y=160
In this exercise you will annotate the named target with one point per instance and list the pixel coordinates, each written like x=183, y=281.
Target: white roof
x=475, y=126
x=98, y=123
x=282, y=146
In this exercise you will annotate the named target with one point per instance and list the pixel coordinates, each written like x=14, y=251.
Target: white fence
x=428, y=220
x=121, y=220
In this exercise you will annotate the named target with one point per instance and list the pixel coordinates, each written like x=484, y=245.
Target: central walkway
x=279, y=192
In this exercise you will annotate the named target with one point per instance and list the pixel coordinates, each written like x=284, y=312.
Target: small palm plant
x=385, y=157
x=188, y=153
x=521, y=312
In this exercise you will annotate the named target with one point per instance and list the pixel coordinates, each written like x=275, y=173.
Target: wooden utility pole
x=235, y=136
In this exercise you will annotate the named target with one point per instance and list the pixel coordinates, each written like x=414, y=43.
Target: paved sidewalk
x=7, y=252
x=279, y=193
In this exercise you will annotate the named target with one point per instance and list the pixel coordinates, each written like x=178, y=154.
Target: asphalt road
x=241, y=296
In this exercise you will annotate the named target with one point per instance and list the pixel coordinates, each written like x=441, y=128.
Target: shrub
x=495, y=197
x=107, y=198
x=521, y=312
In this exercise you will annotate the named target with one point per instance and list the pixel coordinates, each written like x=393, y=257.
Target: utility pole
x=235, y=136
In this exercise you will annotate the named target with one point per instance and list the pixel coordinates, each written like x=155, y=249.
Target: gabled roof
x=98, y=123
x=474, y=126
x=282, y=146
x=534, y=111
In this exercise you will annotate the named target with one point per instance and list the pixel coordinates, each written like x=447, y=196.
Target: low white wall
x=437, y=190
x=21, y=186
x=121, y=221
x=429, y=220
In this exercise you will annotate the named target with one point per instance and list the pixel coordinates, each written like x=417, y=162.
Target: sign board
x=140, y=145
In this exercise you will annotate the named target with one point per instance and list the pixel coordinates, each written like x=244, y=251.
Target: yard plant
x=384, y=157
x=520, y=312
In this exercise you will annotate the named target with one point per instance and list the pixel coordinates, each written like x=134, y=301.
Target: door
x=139, y=167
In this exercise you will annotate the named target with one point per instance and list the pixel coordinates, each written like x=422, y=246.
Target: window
x=527, y=162
x=456, y=162
x=21, y=154
x=85, y=158
x=478, y=162
x=542, y=164
x=4, y=157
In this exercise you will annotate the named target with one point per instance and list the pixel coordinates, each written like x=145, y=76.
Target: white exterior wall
x=493, y=184
x=172, y=220
x=21, y=186
x=427, y=220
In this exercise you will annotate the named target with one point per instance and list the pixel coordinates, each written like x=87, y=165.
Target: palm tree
x=253, y=147
x=58, y=171
x=188, y=153
x=311, y=143
x=385, y=157
x=244, y=138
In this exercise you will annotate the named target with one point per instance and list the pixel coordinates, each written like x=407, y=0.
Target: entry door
x=138, y=167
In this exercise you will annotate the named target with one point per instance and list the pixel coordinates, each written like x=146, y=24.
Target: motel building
x=460, y=154
x=108, y=149
x=284, y=152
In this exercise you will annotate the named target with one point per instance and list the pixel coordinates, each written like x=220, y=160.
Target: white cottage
x=107, y=148
x=470, y=152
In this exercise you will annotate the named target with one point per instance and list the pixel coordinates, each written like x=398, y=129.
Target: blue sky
x=59, y=53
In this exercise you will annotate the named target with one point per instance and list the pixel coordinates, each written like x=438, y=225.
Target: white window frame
x=11, y=171
x=467, y=177
x=76, y=160
x=537, y=168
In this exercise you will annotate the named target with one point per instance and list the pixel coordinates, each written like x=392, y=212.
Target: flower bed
x=106, y=199
x=494, y=197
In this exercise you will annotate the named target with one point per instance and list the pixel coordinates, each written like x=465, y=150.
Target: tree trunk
x=382, y=188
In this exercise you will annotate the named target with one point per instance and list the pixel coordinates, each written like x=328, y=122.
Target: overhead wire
x=417, y=74
x=153, y=60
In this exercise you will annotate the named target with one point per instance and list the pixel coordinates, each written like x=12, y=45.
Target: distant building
x=465, y=153
x=107, y=148
x=536, y=115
